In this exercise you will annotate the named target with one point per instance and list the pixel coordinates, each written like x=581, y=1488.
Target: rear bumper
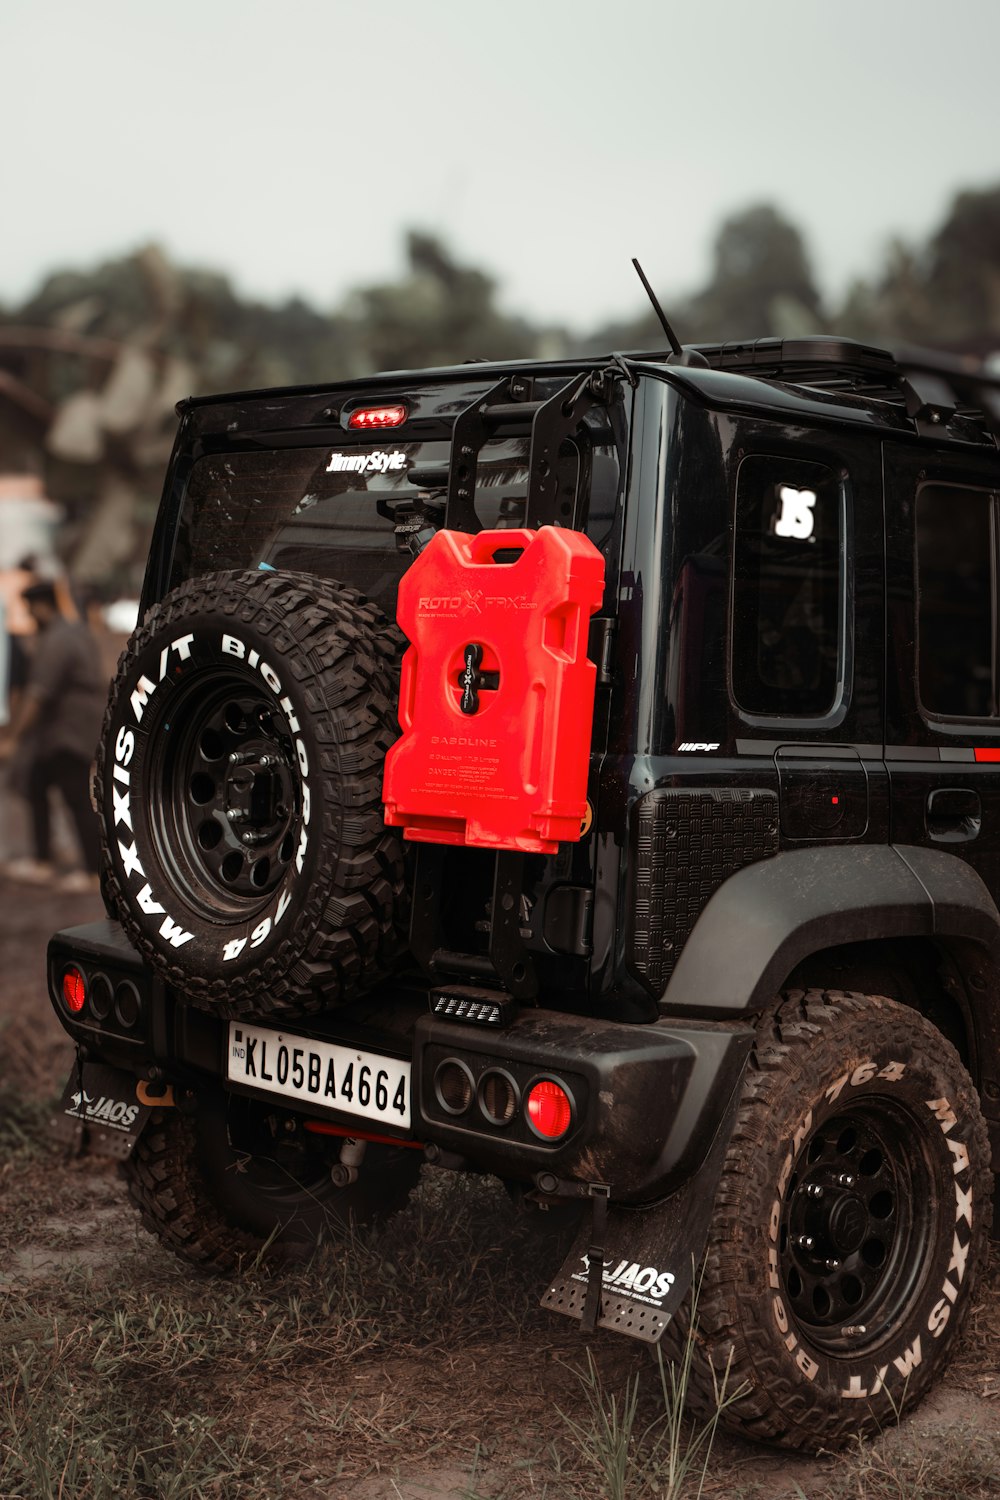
x=646, y=1100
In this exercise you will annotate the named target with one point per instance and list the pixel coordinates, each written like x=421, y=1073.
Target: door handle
x=954, y=815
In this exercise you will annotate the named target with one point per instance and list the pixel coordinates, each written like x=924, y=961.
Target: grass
x=665, y=1457
x=392, y=1359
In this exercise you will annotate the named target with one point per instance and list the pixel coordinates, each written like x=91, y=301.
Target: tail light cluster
x=95, y=998
x=495, y=1098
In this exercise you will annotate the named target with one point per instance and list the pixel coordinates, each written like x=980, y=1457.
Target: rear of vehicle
x=519, y=891
x=299, y=977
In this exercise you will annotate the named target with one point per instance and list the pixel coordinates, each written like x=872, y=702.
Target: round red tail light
x=549, y=1109
x=74, y=989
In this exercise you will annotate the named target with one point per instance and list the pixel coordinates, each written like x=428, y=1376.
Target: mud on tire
x=849, y=1224
x=229, y=1186
x=239, y=784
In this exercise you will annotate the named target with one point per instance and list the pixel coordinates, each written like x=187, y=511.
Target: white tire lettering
x=124, y=745
x=143, y=689
x=175, y=936
x=907, y=1362
x=148, y=905
x=960, y=1152
x=937, y=1320
x=943, y=1113
x=130, y=860
x=122, y=812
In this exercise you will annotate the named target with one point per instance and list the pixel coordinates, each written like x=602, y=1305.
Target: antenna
x=681, y=355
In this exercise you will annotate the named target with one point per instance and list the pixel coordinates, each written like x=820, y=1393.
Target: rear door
x=943, y=677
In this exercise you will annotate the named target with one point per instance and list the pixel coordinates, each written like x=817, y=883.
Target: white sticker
x=366, y=463
x=795, y=519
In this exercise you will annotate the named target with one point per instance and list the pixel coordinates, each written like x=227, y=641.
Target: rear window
x=789, y=600
x=336, y=512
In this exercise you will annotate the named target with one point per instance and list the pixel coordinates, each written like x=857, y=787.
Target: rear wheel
x=237, y=1180
x=849, y=1224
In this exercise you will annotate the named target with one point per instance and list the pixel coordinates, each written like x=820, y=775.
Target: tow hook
x=156, y=1093
x=345, y=1171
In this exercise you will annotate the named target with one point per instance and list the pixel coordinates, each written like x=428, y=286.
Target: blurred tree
x=440, y=313
x=761, y=283
x=963, y=271
x=945, y=293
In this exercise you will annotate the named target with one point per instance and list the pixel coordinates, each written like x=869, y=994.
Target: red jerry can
x=496, y=698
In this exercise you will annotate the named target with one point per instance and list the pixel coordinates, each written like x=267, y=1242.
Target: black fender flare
x=770, y=916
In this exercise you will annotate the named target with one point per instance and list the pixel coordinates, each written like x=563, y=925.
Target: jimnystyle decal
x=366, y=463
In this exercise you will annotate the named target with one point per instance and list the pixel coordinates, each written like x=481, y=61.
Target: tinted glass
x=300, y=509
x=788, y=587
x=955, y=627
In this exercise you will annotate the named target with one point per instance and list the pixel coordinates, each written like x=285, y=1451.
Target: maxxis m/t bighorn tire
x=239, y=785
x=849, y=1225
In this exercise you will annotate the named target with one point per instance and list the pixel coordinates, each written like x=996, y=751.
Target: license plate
x=364, y=1084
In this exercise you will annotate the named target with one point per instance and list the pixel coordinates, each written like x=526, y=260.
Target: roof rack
x=933, y=388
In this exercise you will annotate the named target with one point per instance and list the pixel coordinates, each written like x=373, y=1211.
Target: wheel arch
x=918, y=925
x=772, y=917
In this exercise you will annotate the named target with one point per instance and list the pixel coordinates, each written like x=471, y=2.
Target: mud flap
x=630, y=1269
x=99, y=1112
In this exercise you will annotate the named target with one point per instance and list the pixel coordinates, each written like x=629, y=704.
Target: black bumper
x=646, y=1100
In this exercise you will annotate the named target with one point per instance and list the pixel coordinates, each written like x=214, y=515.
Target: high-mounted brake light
x=370, y=417
x=549, y=1109
x=74, y=989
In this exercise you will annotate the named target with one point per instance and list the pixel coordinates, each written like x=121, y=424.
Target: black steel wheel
x=239, y=783
x=849, y=1224
x=235, y=1183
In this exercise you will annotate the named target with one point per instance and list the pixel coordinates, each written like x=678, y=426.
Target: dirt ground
x=414, y=1366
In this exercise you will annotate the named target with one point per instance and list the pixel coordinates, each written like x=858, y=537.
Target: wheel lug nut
x=813, y=1190
x=845, y=1179
x=832, y=1265
x=805, y=1241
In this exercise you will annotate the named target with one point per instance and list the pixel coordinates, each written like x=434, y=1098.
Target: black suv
x=654, y=870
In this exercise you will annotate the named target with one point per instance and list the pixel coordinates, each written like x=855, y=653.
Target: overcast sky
x=548, y=141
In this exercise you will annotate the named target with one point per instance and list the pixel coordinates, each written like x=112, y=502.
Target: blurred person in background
x=54, y=729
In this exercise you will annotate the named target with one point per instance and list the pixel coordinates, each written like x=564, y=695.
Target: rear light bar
x=374, y=418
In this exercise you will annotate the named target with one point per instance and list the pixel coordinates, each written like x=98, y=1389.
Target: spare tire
x=239, y=784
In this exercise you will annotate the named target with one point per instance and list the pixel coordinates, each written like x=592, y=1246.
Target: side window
x=788, y=617
x=956, y=601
